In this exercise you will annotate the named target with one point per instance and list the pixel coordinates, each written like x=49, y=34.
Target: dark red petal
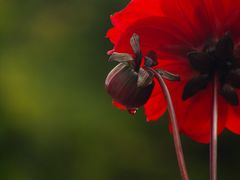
x=230, y=6
x=224, y=48
x=234, y=78
x=200, y=61
x=217, y=14
x=194, y=115
x=226, y=17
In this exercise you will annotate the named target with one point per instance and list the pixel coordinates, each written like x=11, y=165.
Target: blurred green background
x=56, y=120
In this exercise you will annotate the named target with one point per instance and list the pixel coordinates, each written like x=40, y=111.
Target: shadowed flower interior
x=216, y=58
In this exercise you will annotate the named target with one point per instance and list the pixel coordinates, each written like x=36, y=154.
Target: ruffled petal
x=203, y=19
x=134, y=11
x=175, y=11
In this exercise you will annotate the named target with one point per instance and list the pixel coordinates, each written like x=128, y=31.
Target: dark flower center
x=217, y=58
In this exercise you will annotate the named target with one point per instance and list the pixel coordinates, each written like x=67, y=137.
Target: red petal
x=158, y=34
x=179, y=66
x=231, y=7
x=135, y=10
x=200, y=19
x=118, y=105
x=194, y=115
x=156, y=105
x=192, y=14
x=228, y=15
x=233, y=119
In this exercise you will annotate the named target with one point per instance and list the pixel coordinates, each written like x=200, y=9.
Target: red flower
x=194, y=39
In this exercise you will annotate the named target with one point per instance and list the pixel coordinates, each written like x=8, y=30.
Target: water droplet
x=132, y=111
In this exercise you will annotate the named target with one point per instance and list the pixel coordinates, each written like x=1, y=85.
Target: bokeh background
x=56, y=120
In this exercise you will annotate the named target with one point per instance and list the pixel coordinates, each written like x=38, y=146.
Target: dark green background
x=56, y=120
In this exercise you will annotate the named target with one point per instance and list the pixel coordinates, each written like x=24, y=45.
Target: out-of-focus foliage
x=56, y=120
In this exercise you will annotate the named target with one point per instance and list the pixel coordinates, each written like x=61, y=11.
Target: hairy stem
x=214, y=134
x=172, y=114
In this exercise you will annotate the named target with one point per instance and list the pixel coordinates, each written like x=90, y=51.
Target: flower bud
x=123, y=85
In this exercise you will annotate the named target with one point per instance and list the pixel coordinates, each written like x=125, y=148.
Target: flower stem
x=214, y=133
x=172, y=114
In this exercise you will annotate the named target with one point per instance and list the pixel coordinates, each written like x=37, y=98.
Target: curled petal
x=167, y=75
x=151, y=59
x=120, y=57
x=144, y=78
x=134, y=41
x=135, y=44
